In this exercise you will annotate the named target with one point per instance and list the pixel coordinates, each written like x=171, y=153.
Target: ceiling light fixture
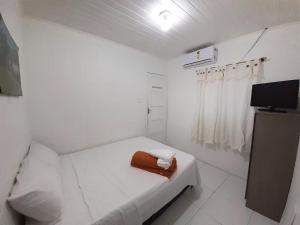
x=166, y=14
x=166, y=20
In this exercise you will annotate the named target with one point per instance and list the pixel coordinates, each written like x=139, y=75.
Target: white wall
x=84, y=90
x=14, y=129
x=280, y=44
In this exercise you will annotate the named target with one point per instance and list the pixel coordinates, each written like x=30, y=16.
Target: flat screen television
x=10, y=82
x=282, y=94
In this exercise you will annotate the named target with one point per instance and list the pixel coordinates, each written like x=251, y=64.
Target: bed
x=101, y=188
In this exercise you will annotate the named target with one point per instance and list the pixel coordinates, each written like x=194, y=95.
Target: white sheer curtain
x=223, y=114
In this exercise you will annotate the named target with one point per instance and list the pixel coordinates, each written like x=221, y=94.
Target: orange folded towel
x=145, y=161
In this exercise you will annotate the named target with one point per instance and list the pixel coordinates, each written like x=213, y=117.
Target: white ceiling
x=201, y=22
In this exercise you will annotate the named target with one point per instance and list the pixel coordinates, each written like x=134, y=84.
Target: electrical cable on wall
x=255, y=43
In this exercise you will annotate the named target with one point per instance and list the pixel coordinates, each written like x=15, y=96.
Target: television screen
x=283, y=94
x=10, y=82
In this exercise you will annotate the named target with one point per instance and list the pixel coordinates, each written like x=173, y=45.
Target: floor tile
x=233, y=189
x=201, y=164
x=257, y=219
x=181, y=211
x=202, y=219
x=212, y=177
x=227, y=204
x=198, y=195
x=219, y=200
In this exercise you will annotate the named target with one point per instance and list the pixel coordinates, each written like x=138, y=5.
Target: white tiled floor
x=219, y=201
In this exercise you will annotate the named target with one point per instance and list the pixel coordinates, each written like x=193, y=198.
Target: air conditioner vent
x=201, y=57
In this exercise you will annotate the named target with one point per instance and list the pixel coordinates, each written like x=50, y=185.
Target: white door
x=157, y=107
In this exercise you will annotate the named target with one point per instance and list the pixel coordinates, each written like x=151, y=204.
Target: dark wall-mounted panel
x=10, y=81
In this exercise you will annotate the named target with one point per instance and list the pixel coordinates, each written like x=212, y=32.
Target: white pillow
x=44, y=154
x=38, y=191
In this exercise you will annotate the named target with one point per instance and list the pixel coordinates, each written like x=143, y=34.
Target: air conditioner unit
x=201, y=57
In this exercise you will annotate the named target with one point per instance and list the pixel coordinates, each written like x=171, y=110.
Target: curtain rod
x=262, y=59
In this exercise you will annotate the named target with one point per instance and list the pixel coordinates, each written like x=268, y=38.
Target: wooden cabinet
x=273, y=155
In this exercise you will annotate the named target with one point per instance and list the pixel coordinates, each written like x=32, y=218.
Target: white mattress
x=101, y=188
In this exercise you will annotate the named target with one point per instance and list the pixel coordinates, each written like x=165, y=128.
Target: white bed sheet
x=101, y=188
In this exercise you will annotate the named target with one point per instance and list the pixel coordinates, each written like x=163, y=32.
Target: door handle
x=149, y=110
